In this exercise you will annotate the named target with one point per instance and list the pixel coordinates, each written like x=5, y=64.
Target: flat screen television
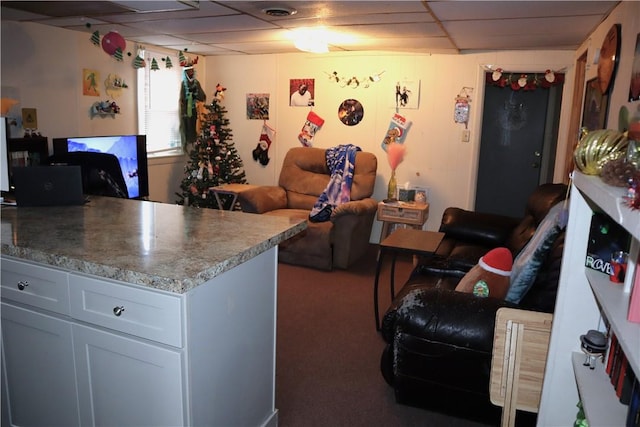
x=131, y=151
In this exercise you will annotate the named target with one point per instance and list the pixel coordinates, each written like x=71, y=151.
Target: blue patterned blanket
x=340, y=161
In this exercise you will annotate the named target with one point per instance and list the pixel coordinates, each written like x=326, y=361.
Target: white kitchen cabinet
x=39, y=370
x=82, y=350
x=115, y=371
x=588, y=300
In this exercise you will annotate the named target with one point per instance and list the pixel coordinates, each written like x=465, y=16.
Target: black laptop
x=48, y=186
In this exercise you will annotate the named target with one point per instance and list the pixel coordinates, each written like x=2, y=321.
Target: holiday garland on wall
x=522, y=81
x=213, y=159
x=114, y=45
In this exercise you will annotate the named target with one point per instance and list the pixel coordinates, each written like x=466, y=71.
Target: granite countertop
x=163, y=246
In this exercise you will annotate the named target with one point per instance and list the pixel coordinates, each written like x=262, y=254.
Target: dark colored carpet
x=328, y=351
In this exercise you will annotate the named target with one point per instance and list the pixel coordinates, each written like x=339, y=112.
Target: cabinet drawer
x=404, y=215
x=143, y=313
x=34, y=285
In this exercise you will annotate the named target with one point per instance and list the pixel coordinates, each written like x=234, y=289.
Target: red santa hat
x=498, y=261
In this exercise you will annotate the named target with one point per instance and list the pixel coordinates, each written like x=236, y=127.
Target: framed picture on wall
x=634, y=85
x=596, y=105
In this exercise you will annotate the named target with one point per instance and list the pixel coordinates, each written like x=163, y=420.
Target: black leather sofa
x=439, y=341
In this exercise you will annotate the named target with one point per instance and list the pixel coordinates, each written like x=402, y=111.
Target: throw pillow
x=527, y=263
x=490, y=277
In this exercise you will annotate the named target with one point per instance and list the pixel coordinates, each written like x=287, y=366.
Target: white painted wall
x=44, y=65
x=436, y=156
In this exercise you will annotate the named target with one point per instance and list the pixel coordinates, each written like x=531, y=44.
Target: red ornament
x=112, y=41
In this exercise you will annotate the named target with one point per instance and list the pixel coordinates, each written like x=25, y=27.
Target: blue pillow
x=527, y=263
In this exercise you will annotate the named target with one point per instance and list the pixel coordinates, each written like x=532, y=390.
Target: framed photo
x=258, y=106
x=596, y=106
x=301, y=92
x=407, y=94
x=421, y=195
x=634, y=85
x=406, y=195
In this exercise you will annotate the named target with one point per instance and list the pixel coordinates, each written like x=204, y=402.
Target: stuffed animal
x=490, y=277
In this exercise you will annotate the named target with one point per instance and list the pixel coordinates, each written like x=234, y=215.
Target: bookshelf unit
x=37, y=149
x=585, y=299
x=32, y=151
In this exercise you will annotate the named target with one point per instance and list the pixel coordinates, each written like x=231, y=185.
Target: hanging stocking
x=311, y=126
x=261, y=152
x=397, y=131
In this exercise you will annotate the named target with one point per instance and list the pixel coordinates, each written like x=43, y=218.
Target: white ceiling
x=241, y=27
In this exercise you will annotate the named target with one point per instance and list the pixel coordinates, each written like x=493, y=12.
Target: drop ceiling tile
x=160, y=40
x=200, y=25
x=478, y=10
x=391, y=20
x=241, y=36
x=206, y=9
x=261, y=47
x=399, y=30
x=465, y=32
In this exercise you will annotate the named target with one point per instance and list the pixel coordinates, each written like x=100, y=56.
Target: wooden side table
x=230, y=189
x=403, y=240
x=412, y=214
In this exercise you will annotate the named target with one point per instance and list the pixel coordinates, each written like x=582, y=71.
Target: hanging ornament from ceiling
x=113, y=41
x=138, y=61
x=154, y=65
x=95, y=38
x=167, y=63
x=118, y=54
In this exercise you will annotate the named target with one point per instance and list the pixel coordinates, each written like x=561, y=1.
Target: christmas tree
x=213, y=160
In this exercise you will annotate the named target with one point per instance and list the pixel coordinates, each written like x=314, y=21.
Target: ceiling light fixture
x=279, y=11
x=313, y=40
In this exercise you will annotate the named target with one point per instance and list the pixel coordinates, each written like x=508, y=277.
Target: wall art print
x=90, y=79
x=407, y=94
x=301, y=92
x=634, y=85
x=258, y=106
x=594, y=112
x=350, y=112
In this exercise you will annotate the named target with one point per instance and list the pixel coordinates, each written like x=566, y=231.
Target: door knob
x=22, y=284
x=118, y=310
x=536, y=153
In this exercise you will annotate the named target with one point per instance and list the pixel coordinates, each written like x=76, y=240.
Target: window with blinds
x=158, y=115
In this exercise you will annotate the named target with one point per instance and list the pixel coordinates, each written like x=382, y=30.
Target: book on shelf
x=613, y=347
x=622, y=373
x=627, y=387
x=633, y=413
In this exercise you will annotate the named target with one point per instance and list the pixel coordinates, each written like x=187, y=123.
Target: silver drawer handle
x=118, y=310
x=22, y=284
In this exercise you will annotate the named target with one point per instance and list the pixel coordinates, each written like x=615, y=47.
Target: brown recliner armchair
x=304, y=176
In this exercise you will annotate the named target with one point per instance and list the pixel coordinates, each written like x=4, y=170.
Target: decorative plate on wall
x=350, y=112
x=609, y=58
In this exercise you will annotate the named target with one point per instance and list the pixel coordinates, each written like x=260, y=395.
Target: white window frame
x=158, y=103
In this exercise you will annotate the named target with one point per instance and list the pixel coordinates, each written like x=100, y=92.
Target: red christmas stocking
x=261, y=152
x=311, y=126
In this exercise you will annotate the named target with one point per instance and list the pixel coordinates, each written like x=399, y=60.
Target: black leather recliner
x=439, y=341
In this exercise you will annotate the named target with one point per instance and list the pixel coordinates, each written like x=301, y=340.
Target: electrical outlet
x=466, y=135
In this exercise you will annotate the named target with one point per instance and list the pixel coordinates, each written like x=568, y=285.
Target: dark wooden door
x=517, y=129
